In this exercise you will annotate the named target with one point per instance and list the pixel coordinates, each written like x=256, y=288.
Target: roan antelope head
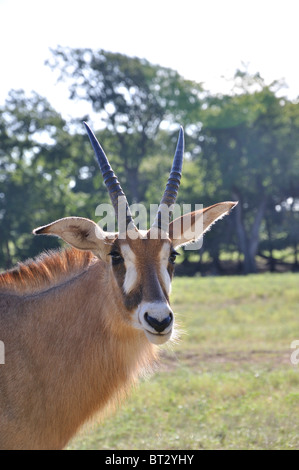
x=141, y=262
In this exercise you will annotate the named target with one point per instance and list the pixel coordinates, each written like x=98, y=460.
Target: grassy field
x=228, y=383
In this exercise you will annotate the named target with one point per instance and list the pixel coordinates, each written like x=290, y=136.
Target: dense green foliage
x=240, y=146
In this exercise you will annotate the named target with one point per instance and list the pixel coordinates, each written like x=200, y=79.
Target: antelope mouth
x=156, y=320
x=157, y=338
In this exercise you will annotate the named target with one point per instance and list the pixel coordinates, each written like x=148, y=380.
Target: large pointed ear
x=81, y=233
x=190, y=227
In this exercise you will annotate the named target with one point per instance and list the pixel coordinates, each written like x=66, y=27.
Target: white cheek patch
x=142, y=233
x=164, y=255
x=130, y=279
x=131, y=272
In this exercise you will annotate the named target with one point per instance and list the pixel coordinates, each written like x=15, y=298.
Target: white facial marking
x=131, y=272
x=143, y=233
x=164, y=255
x=159, y=311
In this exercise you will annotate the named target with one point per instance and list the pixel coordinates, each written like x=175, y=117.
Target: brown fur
x=149, y=285
x=69, y=348
x=46, y=271
x=71, y=345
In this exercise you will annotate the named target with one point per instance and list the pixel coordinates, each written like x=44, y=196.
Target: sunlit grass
x=228, y=383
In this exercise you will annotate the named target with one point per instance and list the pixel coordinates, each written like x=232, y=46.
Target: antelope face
x=142, y=265
x=143, y=269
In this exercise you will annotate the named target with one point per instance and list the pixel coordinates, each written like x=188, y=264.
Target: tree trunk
x=272, y=261
x=216, y=264
x=133, y=183
x=8, y=261
x=248, y=244
x=296, y=263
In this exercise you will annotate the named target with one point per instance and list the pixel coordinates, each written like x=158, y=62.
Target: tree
x=132, y=97
x=35, y=174
x=249, y=147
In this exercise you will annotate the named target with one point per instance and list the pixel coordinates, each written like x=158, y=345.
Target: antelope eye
x=116, y=257
x=173, y=256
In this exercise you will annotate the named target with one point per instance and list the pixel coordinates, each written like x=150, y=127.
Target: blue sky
x=203, y=40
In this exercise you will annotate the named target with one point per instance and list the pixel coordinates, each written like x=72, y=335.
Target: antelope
x=82, y=324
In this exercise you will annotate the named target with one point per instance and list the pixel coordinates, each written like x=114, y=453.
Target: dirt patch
x=199, y=360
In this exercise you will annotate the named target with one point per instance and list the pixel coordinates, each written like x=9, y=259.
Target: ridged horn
x=114, y=188
x=171, y=191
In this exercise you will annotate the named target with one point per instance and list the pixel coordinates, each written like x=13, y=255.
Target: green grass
x=228, y=383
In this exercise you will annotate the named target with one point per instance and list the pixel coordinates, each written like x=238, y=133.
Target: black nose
x=156, y=324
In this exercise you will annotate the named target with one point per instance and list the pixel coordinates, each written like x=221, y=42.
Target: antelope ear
x=190, y=227
x=81, y=233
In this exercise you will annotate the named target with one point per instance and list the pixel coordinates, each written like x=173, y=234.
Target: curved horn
x=171, y=191
x=114, y=188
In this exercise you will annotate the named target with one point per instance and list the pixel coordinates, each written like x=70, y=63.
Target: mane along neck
x=49, y=269
x=70, y=350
